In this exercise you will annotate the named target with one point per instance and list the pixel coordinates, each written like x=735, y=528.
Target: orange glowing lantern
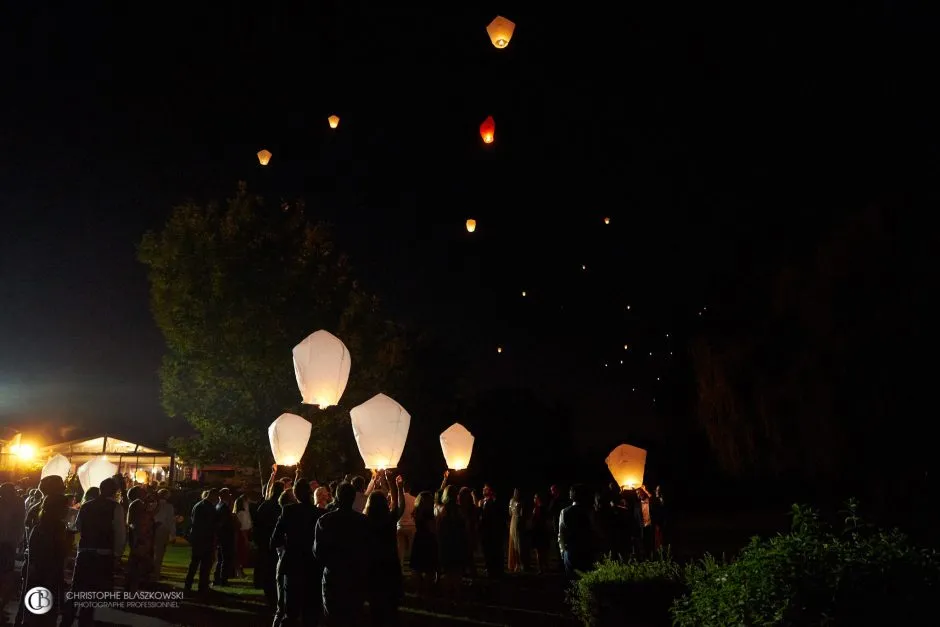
x=500, y=31
x=333, y=120
x=606, y=220
x=471, y=226
x=488, y=130
x=264, y=156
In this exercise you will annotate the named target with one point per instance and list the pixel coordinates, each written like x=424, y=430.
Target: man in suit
x=203, y=524
x=298, y=572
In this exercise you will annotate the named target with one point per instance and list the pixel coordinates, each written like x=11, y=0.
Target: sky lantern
x=57, y=465
x=499, y=349
x=264, y=156
x=471, y=225
x=380, y=426
x=321, y=363
x=627, y=464
x=606, y=220
x=333, y=120
x=500, y=31
x=488, y=130
x=288, y=436
x=457, y=446
x=94, y=471
x=142, y=476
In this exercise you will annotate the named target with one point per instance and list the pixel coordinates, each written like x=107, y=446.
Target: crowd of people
x=349, y=541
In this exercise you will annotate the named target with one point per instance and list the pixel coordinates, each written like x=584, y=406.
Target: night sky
x=717, y=139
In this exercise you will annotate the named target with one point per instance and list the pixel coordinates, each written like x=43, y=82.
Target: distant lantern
x=606, y=220
x=94, y=471
x=471, y=226
x=264, y=156
x=333, y=120
x=626, y=347
x=457, y=445
x=627, y=464
x=488, y=130
x=523, y=293
x=288, y=436
x=321, y=364
x=142, y=476
x=380, y=426
x=499, y=349
x=500, y=31
x=57, y=465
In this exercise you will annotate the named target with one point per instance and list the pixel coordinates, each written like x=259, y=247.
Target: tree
x=232, y=290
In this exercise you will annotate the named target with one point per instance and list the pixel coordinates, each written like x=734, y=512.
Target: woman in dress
x=242, y=534
x=515, y=537
x=538, y=533
x=424, y=550
x=452, y=543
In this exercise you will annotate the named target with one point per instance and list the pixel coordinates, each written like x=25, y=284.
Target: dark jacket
x=341, y=546
x=295, y=531
x=576, y=534
x=269, y=511
x=202, y=526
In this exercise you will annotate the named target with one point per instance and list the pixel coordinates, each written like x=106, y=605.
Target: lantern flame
x=627, y=465
x=488, y=130
x=500, y=31
x=471, y=226
x=264, y=156
x=333, y=120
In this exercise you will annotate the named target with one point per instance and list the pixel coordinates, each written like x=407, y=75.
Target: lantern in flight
x=142, y=476
x=333, y=120
x=94, y=471
x=380, y=426
x=264, y=156
x=627, y=464
x=57, y=465
x=606, y=220
x=500, y=31
x=471, y=226
x=457, y=445
x=288, y=436
x=488, y=130
x=321, y=364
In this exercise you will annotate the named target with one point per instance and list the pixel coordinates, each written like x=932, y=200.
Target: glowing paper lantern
x=94, y=471
x=499, y=349
x=264, y=156
x=500, y=31
x=606, y=220
x=380, y=426
x=142, y=476
x=57, y=465
x=627, y=464
x=288, y=436
x=333, y=120
x=471, y=226
x=457, y=446
x=488, y=130
x=321, y=363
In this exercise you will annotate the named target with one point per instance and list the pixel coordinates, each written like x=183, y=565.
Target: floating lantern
x=142, y=476
x=626, y=347
x=523, y=293
x=288, y=436
x=57, y=465
x=380, y=426
x=94, y=471
x=499, y=349
x=627, y=464
x=471, y=226
x=333, y=120
x=321, y=363
x=457, y=445
x=606, y=220
x=488, y=130
x=264, y=156
x=500, y=31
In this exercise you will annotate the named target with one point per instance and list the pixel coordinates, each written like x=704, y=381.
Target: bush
x=815, y=576
x=636, y=592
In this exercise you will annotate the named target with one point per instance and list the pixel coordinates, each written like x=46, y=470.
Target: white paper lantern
x=627, y=464
x=457, y=446
x=94, y=471
x=321, y=363
x=58, y=465
x=380, y=426
x=289, y=435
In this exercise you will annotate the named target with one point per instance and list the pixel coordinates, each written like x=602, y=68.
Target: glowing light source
x=333, y=120
x=500, y=31
x=264, y=156
x=471, y=226
x=142, y=476
x=288, y=436
x=26, y=452
x=523, y=293
x=627, y=465
x=321, y=364
x=499, y=349
x=626, y=347
x=606, y=220
x=57, y=465
x=94, y=471
x=380, y=426
x=457, y=446
x=583, y=267
x=628, y=307
x=488, y=130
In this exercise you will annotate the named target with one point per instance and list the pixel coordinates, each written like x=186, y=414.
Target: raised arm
x=398, y=497
x=267, y=488
x=444, y=482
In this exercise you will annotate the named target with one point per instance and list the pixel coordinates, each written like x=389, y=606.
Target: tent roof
x=102, y=444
